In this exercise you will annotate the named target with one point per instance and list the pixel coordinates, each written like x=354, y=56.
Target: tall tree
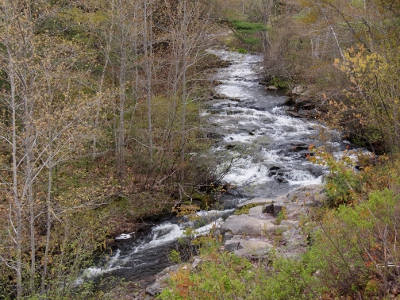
x=47, y=125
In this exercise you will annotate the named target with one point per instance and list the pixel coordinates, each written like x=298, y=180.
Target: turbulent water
x=260, y=149
x=137, y=258
x=267, y=148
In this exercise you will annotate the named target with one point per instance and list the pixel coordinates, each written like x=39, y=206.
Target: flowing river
x=260, y=149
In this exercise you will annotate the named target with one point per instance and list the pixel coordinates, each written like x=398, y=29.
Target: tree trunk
x=18, y=205
x=147, y=48
x=48, y=212
x=266, y=10
x=184, y=92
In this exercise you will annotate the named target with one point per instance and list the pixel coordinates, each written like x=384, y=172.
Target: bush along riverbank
x=337, y=241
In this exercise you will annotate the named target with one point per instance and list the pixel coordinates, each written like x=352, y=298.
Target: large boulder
x=311, y=195
x=248, y=226
x=249, y=247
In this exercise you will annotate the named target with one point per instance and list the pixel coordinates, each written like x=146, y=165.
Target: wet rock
x=274, y=168
x=220, y=96
x=214, y=135
x=308, y=114
x=289, y=102
x=271, y=88
x=316, y=170
x=263, y=82
x=276, y=171
x=281, y=179
x=308, y=106
x=215, y=111
x=216, y=82
x=294, y=114
x=298, y=147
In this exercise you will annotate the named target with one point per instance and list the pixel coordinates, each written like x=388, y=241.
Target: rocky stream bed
x=262, y=153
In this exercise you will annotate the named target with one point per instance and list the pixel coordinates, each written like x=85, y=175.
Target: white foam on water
x=300, y=176
x=213, y=213
x=124, y=236
x=278, y=110
x=281, y=121
x=232, y=91
x=204, y=113
x=273, y=158
x=251, y=121
x=247, y=173
x=311, y=181
x=239, y=137
x=164, y=233
x=93, y=272
x=207, y=228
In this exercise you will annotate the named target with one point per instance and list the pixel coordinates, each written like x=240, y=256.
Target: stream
x=260, y=149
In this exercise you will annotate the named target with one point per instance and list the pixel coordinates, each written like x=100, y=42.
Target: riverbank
x=261, y=230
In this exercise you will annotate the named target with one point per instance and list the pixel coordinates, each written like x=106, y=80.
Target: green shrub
x=343, y=183
x=244, y=27
x=278, y=82
x=223, y=275
x=174, y=256
x=357, y=245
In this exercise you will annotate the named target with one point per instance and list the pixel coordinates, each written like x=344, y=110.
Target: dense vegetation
x=99, y=105
x=100, y=128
